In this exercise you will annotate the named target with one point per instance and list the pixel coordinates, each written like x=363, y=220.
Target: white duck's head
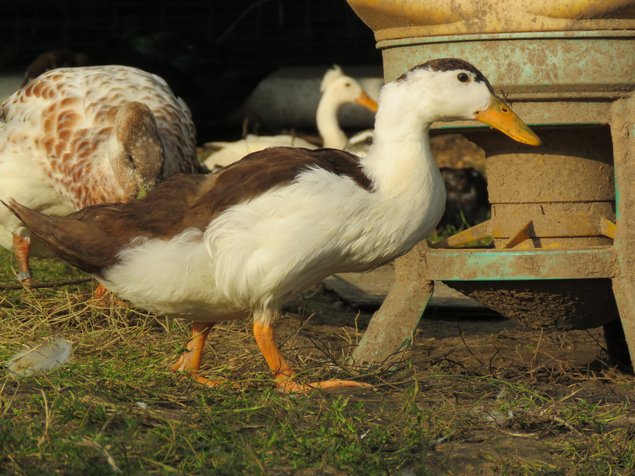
x=450, y=89
x=136, y=152
x=341, y=89
x=337, y=90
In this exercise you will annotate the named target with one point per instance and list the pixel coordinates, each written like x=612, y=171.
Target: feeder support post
x=623, y=135
x=392, y=327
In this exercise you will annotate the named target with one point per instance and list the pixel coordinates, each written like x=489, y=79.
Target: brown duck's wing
x=267, y=169
x=160, y=214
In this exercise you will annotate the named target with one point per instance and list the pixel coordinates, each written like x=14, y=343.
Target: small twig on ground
x=54, y=284
x=467, y=347
x=599, y=344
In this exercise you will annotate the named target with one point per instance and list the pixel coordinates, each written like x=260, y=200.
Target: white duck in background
x=249, y=238
x=74, y=137
x=337, y=89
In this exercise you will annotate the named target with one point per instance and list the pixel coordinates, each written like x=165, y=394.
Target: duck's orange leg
x=282, y=373
x=22, y=251
x=103, y=297
x=100, y=293
x=190, y=360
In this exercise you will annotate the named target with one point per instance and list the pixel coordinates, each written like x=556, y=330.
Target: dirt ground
x=458, y=351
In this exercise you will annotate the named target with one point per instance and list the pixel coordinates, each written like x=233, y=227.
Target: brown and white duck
x=245, y=240
x=74, y=137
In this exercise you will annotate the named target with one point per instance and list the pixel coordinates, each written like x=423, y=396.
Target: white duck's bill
x=500, y=116
x=365, y=100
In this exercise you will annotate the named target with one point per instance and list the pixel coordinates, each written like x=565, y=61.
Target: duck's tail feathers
x=70, y=239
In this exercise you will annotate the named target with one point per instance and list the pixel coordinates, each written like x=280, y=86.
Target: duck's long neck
x=327, y=123
x=400, y=162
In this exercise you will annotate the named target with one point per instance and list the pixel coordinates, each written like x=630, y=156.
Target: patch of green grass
x=115, y=408
x=92, y=419
x=610, y=453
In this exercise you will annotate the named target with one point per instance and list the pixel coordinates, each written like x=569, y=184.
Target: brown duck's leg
x=283, y=373
x=22, y=250
x=190, y=360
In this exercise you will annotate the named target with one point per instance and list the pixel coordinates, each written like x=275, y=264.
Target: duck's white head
x=341, y=89
x=450, y=89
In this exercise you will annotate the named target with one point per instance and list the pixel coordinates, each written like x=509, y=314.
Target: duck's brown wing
x=267, y=169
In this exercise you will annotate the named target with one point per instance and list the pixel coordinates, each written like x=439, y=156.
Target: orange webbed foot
x=289, y=386
x=283, y=373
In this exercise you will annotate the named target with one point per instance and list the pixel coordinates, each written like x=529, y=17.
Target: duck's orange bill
x=500, y=116
x=366, y=101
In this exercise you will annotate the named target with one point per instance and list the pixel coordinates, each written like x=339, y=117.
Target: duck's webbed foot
x=287, y=385
x=283, y=374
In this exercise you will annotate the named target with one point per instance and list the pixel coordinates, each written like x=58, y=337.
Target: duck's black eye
x=463, y=77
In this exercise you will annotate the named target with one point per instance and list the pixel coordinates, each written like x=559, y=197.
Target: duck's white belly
x=261, y=253
x=173, y=277
x=20, y=176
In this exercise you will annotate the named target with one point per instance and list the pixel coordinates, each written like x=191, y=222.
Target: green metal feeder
x=563, y=215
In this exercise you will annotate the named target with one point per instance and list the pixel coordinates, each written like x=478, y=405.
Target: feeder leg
x=392, y=327
x=623, y=136
x=617, y=346
x=621, y=342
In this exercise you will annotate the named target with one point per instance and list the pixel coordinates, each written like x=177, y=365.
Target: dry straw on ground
x=475, y=396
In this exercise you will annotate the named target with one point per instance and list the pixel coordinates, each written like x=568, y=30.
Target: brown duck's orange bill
x=500, y=116
x=366, y=101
